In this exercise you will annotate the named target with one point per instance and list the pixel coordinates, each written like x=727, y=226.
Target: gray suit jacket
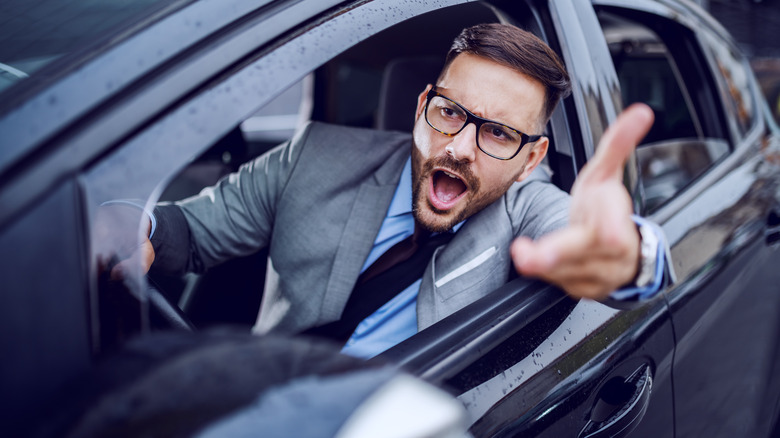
x=318, y=202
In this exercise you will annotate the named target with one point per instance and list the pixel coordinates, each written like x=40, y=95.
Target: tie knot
x=420, y=234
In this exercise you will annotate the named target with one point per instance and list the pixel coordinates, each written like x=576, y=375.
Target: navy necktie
x=395, y=270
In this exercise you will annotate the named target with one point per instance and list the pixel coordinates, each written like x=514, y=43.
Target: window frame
x=686, y=61
x=217, y=104
x=147, y=155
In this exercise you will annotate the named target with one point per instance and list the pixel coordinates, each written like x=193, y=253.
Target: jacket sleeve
x=536, y=206
x=230, y=219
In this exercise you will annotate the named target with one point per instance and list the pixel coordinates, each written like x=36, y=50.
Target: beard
x=474, y=201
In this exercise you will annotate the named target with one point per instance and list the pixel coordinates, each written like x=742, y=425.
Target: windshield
x=35, y=33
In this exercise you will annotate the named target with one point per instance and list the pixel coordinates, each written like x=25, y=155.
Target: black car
x=153, y=100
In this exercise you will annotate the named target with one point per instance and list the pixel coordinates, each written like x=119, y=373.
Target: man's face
x=451, y=178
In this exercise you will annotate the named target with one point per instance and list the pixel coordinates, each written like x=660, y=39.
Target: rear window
x=653, y=61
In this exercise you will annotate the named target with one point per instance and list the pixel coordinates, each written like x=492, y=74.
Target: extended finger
x=619, y=141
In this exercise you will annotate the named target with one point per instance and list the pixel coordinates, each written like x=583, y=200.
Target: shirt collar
x=402, y=199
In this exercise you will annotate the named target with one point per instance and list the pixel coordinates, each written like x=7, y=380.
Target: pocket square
x=466, y=267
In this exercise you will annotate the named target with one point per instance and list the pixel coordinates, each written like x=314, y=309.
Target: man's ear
x=535, y=156
x=421, y=102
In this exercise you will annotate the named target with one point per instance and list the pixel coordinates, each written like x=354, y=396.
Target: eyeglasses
x=495, y=139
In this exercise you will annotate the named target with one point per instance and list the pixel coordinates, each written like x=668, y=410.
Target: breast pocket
x=474, y=278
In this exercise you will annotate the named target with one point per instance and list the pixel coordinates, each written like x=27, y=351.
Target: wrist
x=648, y=256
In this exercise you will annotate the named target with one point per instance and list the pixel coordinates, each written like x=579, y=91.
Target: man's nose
x=463, y=146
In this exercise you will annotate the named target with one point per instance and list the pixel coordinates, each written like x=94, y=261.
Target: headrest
x=403, y=80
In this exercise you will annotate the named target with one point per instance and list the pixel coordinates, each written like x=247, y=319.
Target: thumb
x=619, y=141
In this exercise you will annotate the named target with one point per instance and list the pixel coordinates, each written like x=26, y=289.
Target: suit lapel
x=368, y=211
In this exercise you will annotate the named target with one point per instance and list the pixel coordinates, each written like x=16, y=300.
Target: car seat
x=403, y=80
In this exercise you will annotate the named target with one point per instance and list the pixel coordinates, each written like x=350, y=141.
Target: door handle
x=620, y=405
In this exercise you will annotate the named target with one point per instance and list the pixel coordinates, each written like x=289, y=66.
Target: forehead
x=494, y=91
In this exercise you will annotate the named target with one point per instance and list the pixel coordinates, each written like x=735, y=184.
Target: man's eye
x=500, y=134
x=451, y=113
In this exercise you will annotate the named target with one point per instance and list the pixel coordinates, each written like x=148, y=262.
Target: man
x=334, y=200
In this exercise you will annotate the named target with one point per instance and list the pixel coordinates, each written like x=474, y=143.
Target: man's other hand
x=598, y=252
x=142, y=257
x=119, y=243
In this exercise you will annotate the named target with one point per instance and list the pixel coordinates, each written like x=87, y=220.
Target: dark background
x=754, y=24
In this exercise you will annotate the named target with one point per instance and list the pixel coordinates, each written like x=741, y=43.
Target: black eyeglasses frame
x=478, y=122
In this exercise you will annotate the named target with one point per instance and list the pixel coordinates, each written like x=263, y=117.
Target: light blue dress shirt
x=397, y=319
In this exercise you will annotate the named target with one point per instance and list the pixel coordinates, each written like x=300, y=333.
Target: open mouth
x=446, y=189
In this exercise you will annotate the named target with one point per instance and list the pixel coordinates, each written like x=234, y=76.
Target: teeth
x=450, y=175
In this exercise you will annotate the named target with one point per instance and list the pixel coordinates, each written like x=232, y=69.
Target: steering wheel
x=168, y=311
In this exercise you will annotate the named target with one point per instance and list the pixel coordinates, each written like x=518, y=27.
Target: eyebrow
x=445, y=91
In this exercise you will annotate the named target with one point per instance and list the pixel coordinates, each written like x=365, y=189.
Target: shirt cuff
x=643, y=293
x=137, y=204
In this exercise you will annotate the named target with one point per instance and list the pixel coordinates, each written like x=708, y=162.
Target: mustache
x=458, y=167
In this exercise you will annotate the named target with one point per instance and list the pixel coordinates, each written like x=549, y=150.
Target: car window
x=361, y=87
x=242, y=114
x=34, y=34
x=682, y=144
x=271, y=125
x=276, y=121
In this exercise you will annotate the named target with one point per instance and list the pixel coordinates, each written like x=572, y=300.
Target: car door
x=526, y=360
x=708, y=178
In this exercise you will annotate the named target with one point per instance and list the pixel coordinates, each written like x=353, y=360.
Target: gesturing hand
x=598, y=251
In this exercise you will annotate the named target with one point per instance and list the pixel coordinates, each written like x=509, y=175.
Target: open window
x=658, y=62
x=373, y=82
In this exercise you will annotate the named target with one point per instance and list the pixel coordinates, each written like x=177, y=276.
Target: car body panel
x=724, y=262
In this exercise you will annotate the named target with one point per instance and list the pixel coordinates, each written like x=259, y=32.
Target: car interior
x=374, y=84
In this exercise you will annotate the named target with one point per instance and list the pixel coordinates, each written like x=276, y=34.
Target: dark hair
x=519, y=50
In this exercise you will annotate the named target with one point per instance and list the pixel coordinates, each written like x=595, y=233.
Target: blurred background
x=755, y=24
